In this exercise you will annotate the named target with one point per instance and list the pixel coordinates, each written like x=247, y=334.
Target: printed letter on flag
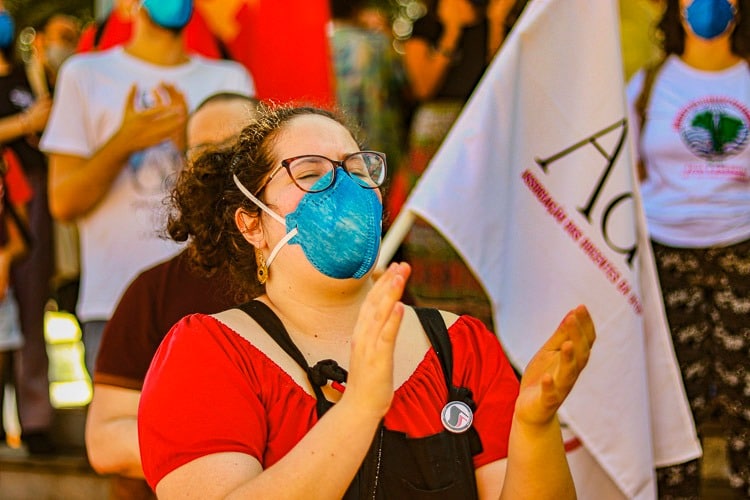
x=534, y=186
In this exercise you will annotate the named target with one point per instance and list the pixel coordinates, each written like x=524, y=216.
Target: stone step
x=68, y=477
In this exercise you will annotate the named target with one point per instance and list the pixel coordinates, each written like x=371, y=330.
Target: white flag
x=534, y=186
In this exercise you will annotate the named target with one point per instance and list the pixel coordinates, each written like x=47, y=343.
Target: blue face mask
x=709, y=18
x=7, y=30
x=170, y=14
x=338, y=228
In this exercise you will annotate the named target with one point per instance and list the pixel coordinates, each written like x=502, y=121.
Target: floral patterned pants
x=707, y=299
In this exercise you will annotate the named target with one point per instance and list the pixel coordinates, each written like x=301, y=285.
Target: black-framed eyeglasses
x=316, y=173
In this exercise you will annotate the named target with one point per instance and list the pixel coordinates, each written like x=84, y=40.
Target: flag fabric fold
x=534, y=186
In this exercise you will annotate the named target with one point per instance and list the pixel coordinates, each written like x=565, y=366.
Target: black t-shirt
x=16, y=96
x=469, y=59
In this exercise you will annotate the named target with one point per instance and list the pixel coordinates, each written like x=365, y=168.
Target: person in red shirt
x=398, y=403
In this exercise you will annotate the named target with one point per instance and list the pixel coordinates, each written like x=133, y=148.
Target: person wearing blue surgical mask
x=690, y=113
x=327, y=385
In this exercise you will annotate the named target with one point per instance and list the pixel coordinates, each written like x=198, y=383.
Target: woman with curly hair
x=398, y=402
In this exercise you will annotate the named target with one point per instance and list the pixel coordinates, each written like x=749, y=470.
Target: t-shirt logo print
x=714, y=129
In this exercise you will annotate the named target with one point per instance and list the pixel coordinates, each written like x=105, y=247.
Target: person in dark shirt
x=152, y=303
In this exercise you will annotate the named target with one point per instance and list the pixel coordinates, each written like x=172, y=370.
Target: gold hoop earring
x=262, y=272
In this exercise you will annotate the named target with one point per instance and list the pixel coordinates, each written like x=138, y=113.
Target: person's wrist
x=25, y=122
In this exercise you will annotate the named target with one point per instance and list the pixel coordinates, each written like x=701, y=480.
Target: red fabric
x=284, y=45
x=209, y=390
x=17, y=187
x=198, y=37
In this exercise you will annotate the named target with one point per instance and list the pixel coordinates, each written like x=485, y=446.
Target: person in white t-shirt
x=691, y=113
x=115, y=140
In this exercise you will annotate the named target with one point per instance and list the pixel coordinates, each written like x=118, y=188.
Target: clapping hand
x=374, y=340
x=554, y=369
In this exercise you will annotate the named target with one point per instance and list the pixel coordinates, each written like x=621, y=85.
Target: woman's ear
x=250, y=227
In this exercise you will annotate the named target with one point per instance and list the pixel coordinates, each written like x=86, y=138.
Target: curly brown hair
x=673, y=31
x=205, y=198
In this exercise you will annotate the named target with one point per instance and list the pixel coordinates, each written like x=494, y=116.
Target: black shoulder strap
x=434, y=326
x=271, y=323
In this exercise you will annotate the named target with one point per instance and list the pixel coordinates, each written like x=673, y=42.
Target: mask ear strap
x=255, y=200
x=283, y=241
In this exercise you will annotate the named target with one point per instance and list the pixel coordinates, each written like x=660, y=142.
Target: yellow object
x=70, y=383
x=640, y=45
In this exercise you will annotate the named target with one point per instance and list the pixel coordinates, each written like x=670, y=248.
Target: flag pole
x=395, y=235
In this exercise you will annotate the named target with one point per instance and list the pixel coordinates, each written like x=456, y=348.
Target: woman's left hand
x=554, y=369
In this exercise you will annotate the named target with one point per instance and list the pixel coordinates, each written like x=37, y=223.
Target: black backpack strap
x=434, y=326
x=273, y=326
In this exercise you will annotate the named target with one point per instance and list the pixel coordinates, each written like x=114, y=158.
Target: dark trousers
x=31, y=283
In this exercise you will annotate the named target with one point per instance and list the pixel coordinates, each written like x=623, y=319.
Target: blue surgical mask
x=338, y=228
x=170, y=14
x=7, y=29
x=709, y=18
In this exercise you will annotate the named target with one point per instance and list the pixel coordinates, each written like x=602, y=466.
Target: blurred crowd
x=95, y=121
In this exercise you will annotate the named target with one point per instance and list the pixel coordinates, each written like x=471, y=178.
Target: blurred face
x=61, y=30
x=216, y=122
x=57, y=42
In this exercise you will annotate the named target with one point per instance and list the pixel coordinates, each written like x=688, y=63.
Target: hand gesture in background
x=164, y=119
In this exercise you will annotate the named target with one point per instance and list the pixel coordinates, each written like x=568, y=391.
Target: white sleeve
x=68, y=130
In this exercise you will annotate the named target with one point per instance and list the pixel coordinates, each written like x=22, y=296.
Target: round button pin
x=456, y=416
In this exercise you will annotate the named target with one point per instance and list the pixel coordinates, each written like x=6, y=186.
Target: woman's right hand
x=370, y=378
